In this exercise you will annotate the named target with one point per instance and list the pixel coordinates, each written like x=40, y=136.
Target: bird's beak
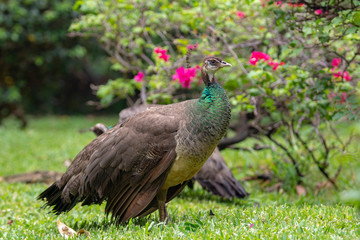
x=225, y=64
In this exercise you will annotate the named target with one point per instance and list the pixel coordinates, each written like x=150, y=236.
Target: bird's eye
x=212, y=62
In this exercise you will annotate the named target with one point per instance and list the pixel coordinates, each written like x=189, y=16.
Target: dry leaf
x=300, y=190
x=65, y=231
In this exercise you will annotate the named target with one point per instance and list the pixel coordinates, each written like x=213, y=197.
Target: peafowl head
x=210, y=66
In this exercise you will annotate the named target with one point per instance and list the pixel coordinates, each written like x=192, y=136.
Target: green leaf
x=338, y=116
x=351, y=30
x=356, y=19
x=337, y=20
x=307, y=30
x=254, y=92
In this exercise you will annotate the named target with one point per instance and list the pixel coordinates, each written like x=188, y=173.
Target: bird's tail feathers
x=227, y=188
x=52, y=197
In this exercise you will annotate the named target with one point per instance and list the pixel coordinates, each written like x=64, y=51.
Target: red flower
x=296, y=4
x=192, y=46
x=240, y=14
x=164, y=57
x=275, y=65
x=343, y=97
x=338, y=74
x=139, y=77
x=162, y=53
x=318, y=12
x=345, y=75
x=260, y=55
x=336, y=62
x=256, y=56
x=160, y=50
x=185, y=76
x=279, y=3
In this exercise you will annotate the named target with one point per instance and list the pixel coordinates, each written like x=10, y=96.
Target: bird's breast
x=195, y=143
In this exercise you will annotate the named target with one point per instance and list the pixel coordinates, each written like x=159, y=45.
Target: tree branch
x=294, y=162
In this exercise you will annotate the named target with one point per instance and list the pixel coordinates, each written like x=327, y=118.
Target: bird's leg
x=161, y=199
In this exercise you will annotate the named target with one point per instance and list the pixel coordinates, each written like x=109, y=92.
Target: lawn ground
x=49, y=141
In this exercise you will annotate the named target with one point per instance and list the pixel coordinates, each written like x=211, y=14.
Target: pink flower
x=253, y=61
x=260, y=55
x=185, y=76
x=336, y=62
x=160, y=50
x=318, y=12
x=240, y=14
x=275, y=65
x=192, y=46
x=251, y=225
x=345, y=75
x=165, y=57
x=343, y=97
x=279, y=3
x=139, y=77
x=256, y=56
x=162, y=53
x=338, y=74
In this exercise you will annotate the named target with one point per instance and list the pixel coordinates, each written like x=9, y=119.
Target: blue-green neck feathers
x=214, y=103
x=214, y=96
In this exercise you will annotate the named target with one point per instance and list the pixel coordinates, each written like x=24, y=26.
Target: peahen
x=214, y=175
x=139, y=165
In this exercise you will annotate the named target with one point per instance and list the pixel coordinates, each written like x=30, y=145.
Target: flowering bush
x=295, y=64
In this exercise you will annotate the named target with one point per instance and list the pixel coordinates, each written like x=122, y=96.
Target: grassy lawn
x=49, y=141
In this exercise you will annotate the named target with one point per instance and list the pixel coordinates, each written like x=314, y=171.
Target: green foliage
x=40, y=65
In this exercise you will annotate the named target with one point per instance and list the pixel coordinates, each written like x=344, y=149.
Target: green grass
x=49, y=141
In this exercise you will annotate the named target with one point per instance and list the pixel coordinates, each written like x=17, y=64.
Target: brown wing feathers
x=126, y=166
x=129, y=202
